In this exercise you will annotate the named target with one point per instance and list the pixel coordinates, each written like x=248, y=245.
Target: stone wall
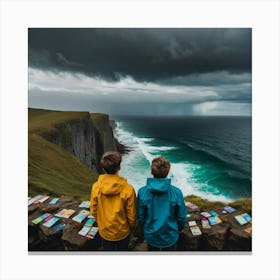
x=227, y=236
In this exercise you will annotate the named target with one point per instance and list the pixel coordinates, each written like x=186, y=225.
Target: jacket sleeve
x=182, y=212
x=94, y=200
x=141, y=210
x=131, y=209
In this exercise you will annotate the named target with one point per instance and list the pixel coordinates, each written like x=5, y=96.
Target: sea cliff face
x=87, y=138
x=77, y=137
x=104, y=132
x=64, y=151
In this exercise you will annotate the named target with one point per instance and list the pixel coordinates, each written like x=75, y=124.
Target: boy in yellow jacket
x=113, y=205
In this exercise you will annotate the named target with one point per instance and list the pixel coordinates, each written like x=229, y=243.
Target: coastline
x=143, y=149
x=120, y=147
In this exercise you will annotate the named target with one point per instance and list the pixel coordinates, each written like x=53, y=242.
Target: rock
x=239, y=240
x=141, y=247
x=215, y=239
x=105, y=129
x=189, y=242
x=79, y=138
x=122, y=148
x=41, y=238
x=32, y=208
x=72, y=241
x=50, y=239
x=194, y=211
x=226, y=236
x=102, y=125
x=34, y=243
x=133, y=242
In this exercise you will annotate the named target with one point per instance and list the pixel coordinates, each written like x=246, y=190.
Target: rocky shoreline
x=121, y=148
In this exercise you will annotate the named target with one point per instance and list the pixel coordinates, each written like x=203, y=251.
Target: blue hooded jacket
x=161, y=212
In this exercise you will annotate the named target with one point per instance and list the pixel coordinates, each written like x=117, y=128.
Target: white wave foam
x=181, y=176
x=136, y=165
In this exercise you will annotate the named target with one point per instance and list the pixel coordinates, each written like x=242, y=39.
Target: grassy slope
x=44, y=120
x=51, y=169
x=244, y=204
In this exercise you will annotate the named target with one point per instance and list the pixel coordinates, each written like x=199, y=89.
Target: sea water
x=210, y=156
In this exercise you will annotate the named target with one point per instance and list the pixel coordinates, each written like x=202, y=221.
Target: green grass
x=51, y=169
x=243, y=204
x=44, y=121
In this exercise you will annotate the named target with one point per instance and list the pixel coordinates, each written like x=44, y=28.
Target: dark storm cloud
x=144, y=54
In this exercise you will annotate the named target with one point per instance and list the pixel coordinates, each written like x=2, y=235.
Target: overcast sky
x=185, y=71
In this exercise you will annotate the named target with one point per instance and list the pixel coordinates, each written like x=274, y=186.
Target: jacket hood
x=158, y=185
x=110, y=184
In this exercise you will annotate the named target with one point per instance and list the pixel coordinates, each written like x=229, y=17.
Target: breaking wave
x=136, y=165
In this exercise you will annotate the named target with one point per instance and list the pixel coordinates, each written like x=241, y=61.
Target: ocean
x=210, y=156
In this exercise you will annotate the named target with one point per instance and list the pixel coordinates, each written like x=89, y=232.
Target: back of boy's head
x=160, y=167
x=111, y=162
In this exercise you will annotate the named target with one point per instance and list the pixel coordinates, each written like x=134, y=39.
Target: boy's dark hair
x=111, y=162
x=160, y=167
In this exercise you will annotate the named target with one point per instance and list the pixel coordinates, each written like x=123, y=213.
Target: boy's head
x=160, y=167
x=111, y=162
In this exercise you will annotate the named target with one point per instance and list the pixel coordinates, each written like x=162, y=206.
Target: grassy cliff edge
x=52, y=169
x=244, y=204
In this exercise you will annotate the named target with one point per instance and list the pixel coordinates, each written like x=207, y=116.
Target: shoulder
x=176, y=190
x=128, y=188
x=142, y=190
x=144, y=193
x=96, y=183
x=99, y=180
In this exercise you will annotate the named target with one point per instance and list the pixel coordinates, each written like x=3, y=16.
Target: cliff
x=104, y=128
x=78, y=137
x=64, y=151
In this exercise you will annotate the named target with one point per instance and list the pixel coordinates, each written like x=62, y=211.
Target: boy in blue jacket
x=161, y=209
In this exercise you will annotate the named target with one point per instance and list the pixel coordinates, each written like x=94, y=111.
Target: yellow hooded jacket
x=113, y=205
